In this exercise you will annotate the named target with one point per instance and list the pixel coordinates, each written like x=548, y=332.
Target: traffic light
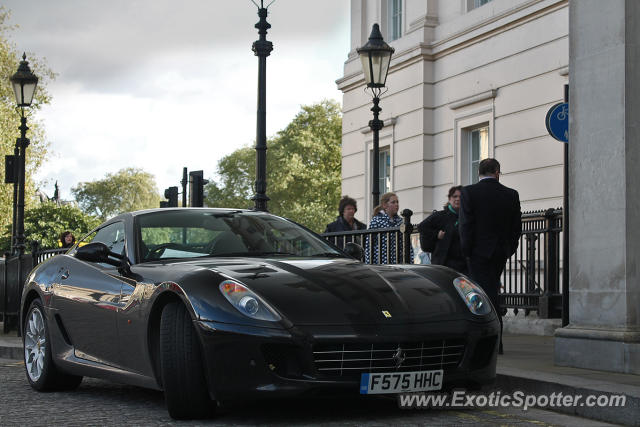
x=196, y=189
x=171, y=194
x=10, y=163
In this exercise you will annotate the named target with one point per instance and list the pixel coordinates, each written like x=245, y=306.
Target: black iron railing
x=13, y=273
x=381, y=245
x=40, y=255
x=532, y=280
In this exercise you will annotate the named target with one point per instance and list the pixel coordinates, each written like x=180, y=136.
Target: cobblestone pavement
x=98, y=402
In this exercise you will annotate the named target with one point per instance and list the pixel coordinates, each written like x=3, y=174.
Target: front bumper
x=244, y=362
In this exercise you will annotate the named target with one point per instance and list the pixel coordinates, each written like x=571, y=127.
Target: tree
x=303, y=169
x=10, y=120
x=46, y=221
x=127, y=190
x=237, y=175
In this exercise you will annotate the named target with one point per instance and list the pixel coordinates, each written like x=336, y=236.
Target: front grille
x=352, y=359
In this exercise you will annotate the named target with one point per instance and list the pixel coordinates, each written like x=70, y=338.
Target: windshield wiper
x=271, y=253
x=252, y=254
x=330, y=254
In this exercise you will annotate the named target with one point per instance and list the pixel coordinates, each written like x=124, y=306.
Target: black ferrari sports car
x=214, y=305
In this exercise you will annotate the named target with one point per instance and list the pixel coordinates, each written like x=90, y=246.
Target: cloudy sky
x=163, y=84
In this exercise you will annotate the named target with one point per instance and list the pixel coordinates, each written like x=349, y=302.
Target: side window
x=88, y=238
x=112, y=235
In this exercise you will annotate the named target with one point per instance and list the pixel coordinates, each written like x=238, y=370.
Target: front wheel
x=185, y=388
x=41, y=371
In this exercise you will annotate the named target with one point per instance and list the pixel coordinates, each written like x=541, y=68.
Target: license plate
x=400, y=382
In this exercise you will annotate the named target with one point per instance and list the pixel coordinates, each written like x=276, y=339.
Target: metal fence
x=13, y=274
x=382, y=245
x=532, y=280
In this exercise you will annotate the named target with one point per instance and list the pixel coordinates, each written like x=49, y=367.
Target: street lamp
x=375, y=57
x=24, y=84
x=262, y=48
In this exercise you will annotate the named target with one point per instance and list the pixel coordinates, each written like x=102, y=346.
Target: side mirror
x=97, y=252
x=354, y=250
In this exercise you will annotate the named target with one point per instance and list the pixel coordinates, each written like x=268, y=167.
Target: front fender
x=39, y=284
x=201, y=295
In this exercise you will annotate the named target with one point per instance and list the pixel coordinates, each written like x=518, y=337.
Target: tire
x=185, y=387
x=42, y=373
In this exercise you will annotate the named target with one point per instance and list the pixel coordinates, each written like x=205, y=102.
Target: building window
x=478, y=150
x=395, y=19
x=384, y=171
x=473, y=4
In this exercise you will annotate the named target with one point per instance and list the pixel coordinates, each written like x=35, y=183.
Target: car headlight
x=246, y=302
x=475, y=298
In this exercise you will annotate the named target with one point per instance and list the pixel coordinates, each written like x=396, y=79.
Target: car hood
x=340, y=291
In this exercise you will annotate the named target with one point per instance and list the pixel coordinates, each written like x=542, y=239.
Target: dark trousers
x=486, y=272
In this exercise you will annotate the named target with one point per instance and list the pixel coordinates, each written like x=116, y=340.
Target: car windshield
x=218, y=233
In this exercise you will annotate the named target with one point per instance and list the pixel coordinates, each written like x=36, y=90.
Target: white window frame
x=382, y=168
x=474, y=4
x=470, y=132
x=463, y=126
x=386, y=142
x=390, y=15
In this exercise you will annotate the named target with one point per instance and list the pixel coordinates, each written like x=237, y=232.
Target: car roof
x=128, y=215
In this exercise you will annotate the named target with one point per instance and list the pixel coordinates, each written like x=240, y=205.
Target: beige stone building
x=469, y=79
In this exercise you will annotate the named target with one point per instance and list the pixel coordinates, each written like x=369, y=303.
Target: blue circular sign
x=558, y=121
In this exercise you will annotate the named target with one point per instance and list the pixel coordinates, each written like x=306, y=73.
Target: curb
x=508, y=383
x=11, y=348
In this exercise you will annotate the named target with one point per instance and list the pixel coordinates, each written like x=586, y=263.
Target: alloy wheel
x=35, y=343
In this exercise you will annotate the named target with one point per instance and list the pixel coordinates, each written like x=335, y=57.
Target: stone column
x=604, y=192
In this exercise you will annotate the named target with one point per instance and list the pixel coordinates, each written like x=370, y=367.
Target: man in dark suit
x=490, y=228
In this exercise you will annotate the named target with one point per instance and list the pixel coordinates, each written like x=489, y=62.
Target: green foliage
x=46, y=221
x=127, y=190
x=237, y=173
x=303, y=169
x=10, y=120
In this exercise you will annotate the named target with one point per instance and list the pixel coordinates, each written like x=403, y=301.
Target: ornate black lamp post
x=262, y=48
x=24, y=86
x=375, y=57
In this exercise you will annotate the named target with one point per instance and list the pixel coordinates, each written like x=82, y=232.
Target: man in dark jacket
x=490, y=228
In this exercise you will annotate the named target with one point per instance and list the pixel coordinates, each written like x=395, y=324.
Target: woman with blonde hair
x=385, y=215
